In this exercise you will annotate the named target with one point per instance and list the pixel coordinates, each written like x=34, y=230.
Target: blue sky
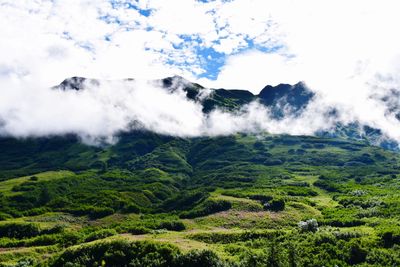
x=238, y=43
x=345, y=51
x=208, y=59
x=140, y=39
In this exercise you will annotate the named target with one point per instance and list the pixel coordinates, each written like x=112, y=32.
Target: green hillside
x=243, y=200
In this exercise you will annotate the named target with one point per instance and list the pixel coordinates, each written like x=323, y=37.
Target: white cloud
x=100, y=112
x=253, y=70
x=347, y=51
x=181, y=17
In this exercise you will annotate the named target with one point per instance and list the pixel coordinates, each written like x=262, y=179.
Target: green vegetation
x=153, y=200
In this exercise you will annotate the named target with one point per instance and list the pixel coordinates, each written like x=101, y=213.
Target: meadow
x=241, y=200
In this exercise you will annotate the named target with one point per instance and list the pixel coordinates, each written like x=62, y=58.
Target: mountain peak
x=295, y=97
x=76, y=83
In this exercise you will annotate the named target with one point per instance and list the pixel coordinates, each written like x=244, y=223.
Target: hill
x=237, y=195
x=236, y=200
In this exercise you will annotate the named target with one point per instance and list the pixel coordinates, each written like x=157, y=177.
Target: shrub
x=96, y=213
x=275, y=205
x=69, y=239
x=343, y=222
x=138, y=230
x=135, y=254
x=131, y=208
x=92, y=212
x=35, y=211
x=185, y=201
x=4, y=216
x=357, y=254
x=19, y=230
x=262, y=198
x=118, y=253
x=310, y=225
x=389, y=238
x=54, y=230
x=100, y=234
x=172, y=225
x=199, y=258
x=328, y=186
x=206, y=208
x=42, y=240
x=26, y=262
x=228, y=238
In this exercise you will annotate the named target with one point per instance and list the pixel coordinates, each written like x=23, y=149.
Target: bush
x=343, y=222
x=118, y=253
x=198, y=258
x=26, y=262
x=69, y=239
x=97, y=213
x=19, y=230
x=42, y=240
x=131, y=208
x=390, y=238
x=172, y=225
x=100, y=234
x=4, y=216
x=262, y=198
x=228, y=238
x=185, y=200
x=92, y=212
x=328, y=186
x=138, y=230
x=310, y=225
x=35, y=211
x=134, y=254
x=275, y=205
x=206, y=208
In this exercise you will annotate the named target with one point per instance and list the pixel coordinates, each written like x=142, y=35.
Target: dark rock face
x=76, y=83
x=173, y=83
x=392, y=102
x=285, y=98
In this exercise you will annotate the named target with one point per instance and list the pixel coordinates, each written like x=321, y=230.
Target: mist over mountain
x=98, y=110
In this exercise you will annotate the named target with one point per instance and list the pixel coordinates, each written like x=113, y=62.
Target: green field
x=242, y=200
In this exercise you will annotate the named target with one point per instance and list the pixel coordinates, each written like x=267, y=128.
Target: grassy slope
x=347, y=186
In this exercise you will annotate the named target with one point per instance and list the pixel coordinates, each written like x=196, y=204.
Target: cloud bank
x=346, y=51
x=99, y=111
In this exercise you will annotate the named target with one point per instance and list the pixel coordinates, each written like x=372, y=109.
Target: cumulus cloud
x=99, y=111
x=345, y=51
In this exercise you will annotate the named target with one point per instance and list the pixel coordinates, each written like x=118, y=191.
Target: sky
x=348, y=52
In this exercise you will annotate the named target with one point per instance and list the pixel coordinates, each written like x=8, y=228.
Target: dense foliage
x=255, y=200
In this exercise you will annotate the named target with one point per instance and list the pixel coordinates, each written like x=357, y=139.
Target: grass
x=7, y=185
x=146, y=182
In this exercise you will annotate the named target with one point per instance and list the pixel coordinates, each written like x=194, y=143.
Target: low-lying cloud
x=100, y=111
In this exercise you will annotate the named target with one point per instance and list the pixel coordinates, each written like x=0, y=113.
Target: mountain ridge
x=282, y=100
x=245, y=199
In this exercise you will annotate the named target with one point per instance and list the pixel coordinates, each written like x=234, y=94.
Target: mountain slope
x=282, y=101
x=156, y=200
x=200, y=182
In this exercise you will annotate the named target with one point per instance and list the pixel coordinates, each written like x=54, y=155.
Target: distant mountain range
x=282, y=100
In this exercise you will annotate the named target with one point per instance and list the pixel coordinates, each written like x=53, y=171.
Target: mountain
x=280, y=97
x=293, y=98
x=283, y=100
x=236, y=200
